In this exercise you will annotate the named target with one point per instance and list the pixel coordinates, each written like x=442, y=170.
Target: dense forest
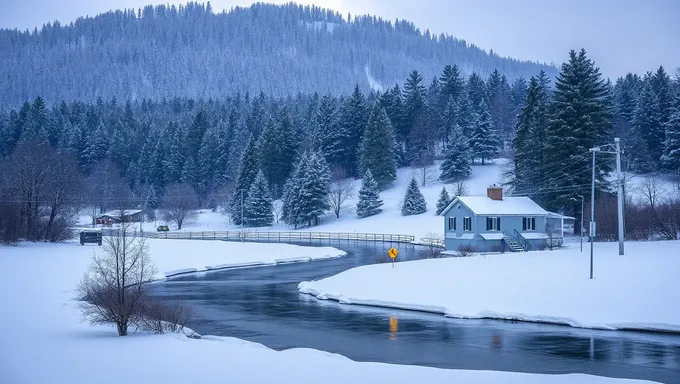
x=241, y=150
x=190, y=51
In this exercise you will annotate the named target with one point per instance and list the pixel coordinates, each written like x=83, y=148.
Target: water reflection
x=263, y=305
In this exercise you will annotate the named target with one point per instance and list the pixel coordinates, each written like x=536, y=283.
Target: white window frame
x=529, y=223
x=467, y=224
x=493, y=224
x=452, y=223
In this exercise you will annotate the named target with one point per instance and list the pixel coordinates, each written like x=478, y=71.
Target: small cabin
x=118, y=216
x=495, y=223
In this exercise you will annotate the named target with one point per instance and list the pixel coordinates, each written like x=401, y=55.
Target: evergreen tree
x=353, y=120
x=500, y=107
x=444, y=200
x=174, y=159
x=483, y=143
x=649, y=130
x=208, y=160
x=581, y=119
x=325, y=133
x=452, y=85
x=476, y=92
x=671, y=153
x=661, y=86
x=369, y=198
x=316, y=184
x=414, y=104
x=376, y=153
x=195, y=134
x=258, y=206
x=414, y=201
x=247, y=172
x=456, y=164
x=529, y=142
x=278, y=148
x=291, y=194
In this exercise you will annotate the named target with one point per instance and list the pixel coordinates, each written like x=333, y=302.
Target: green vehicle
x=91, y=236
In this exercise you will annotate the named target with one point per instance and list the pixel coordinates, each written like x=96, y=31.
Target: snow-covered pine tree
x=369, y=198
x=452, y=85
x=581, y=119
x=376, y=152
x=207, y=163
x=444, y=200
x=258, y=206
x=671, y=153
x=174, y=159
x=414, y=104
x=315, y=186
x=292, y=193
x=457, y=158
x=353, y=118
x=649, y=130
x=529, y=141
x=414, y=201
x=325, y=135
x=249, y=168
x=483, y=143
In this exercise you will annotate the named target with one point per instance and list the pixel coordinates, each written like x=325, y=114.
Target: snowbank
x=637, y=291
x=174, y=257
x=45, y=342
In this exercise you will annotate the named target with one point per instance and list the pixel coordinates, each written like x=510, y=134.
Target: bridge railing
x=271, y=236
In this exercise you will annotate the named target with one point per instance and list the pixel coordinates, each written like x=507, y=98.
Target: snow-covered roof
x=559, y=216
x=116, y=213
x=510, y=205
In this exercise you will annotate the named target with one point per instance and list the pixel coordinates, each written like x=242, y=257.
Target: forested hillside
x=192, y=52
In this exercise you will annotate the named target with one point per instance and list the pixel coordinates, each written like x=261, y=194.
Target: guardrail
x=270, y=236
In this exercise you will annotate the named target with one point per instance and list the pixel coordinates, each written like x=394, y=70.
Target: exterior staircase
x=513, y=243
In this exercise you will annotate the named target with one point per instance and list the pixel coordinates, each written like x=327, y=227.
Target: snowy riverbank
x=639, y=290
x=186, y=256
x=45, y=342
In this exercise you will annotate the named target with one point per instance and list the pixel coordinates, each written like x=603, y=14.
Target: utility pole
x=592, y=211
x=619, y=192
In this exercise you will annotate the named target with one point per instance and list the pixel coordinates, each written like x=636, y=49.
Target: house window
x=452, y=223
x=467, y=224
x=493, y=223
x=528, y=223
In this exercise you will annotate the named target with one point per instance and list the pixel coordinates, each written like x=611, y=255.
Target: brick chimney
x=494, y=193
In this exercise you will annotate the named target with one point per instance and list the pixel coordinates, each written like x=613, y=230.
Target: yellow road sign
x=393, y=253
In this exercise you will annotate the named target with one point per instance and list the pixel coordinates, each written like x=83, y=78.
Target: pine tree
x=414, y=104
x=247, y=172
x=671, y=153
x=291, y=194
x=649, y=130
x=476, y=92
x=278, y=147
x=314, y=191
x=483, y=143
x=444, y=200
x=258, y=206
x=353, y=118
x=369, y=198
x=456, y=164
x=414, y=201
x=325, y=135
x=376, y=152
x=195, y=134
x=581, y=120
x=661, y=86
x=208, y=160
x=175, y=158
x=529, y=142
x=452, y=85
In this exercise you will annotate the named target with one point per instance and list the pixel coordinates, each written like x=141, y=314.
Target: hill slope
x=190, y=51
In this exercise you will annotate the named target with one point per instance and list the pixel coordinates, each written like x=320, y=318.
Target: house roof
x=510, y=205
x=116, y=213
x=559, y=216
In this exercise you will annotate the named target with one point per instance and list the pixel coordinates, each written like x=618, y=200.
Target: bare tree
x=653, y=191
x=434, y=244
x=342, y=188
x=114, y=290
x=105, y=189
x=179, y=204
x=278, y=209
x=28, y=177
x=461, y=189
x=63, y=195
x=162, y=317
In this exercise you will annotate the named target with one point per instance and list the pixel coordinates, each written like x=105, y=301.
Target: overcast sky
x=620, y=35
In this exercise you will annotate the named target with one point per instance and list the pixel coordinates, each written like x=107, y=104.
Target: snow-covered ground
x=389, y=221
x=181, y=256
x=639, y=290
x=44, y=341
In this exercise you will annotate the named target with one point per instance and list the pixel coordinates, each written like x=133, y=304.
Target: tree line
x=189, y=50
x=244, y=152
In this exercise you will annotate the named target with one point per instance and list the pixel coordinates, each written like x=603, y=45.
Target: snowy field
x=44, y=342
x=639, y=290
x=389, y=221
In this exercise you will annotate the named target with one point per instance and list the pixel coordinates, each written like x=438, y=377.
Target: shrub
x=466, y=250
